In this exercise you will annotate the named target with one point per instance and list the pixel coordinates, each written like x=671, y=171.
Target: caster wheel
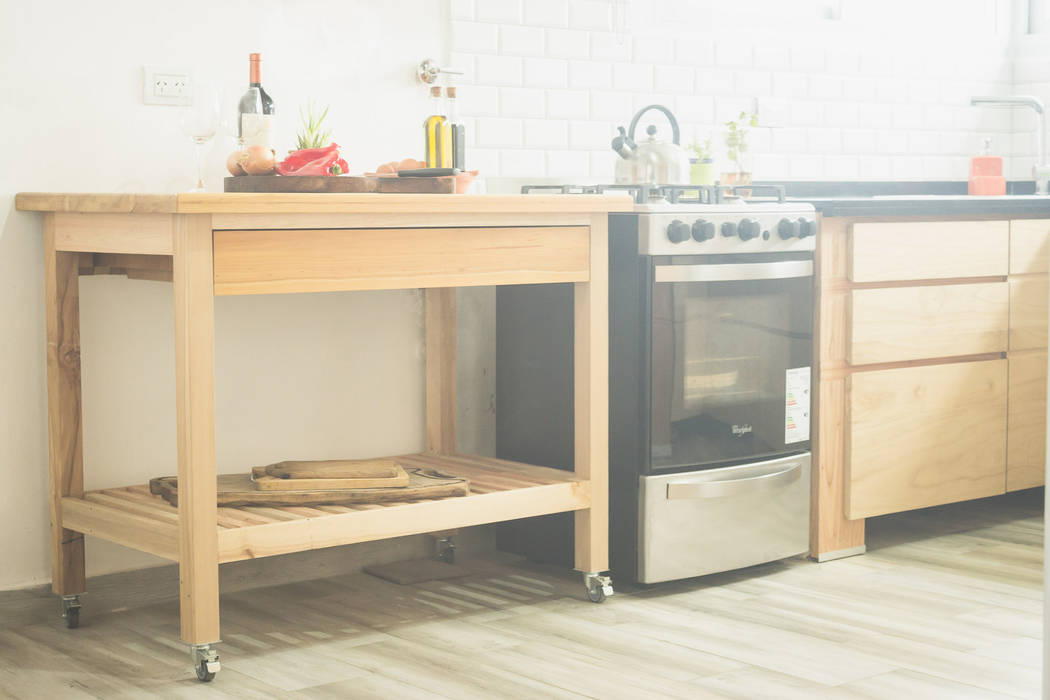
x=596, y=595
x=203, y=674
x=73, y=618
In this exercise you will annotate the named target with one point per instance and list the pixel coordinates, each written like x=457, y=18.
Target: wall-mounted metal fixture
x=1041, y=169
x=428, y=71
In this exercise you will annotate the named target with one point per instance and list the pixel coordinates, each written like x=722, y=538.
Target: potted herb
x=702, y=165
x=736, y=148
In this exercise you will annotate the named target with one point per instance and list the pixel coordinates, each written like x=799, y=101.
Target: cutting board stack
x=331, y=482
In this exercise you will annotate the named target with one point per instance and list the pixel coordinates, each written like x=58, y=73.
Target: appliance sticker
x=796, y=405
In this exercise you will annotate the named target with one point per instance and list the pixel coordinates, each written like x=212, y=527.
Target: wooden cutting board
x=339, y=183
x=330, y=474
x=238, y=490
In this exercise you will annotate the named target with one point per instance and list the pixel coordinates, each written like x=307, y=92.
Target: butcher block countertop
x=274, y=203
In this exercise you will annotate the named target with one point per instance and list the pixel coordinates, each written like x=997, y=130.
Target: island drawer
x=917, y=250
x=1029, y=246
x=923, y=436
x=913, y=323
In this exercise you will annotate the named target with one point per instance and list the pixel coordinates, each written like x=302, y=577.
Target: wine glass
x=200, y=121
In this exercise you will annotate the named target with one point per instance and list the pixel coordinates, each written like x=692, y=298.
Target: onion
x=235, y=162
x=259, y=160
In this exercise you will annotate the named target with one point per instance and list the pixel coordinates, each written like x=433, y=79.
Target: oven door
x=731, y=347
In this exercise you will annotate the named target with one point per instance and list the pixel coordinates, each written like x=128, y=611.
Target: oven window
x=723, y=354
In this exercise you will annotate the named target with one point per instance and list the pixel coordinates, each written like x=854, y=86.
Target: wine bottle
x=459, y=131
x=438, y=142
x=255, y=110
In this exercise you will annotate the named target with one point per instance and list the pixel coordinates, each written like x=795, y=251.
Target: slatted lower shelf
x=499, y=490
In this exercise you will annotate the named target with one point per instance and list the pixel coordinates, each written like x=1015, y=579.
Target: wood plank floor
x=946, y=604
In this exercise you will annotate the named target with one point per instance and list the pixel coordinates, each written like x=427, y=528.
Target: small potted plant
x=702, y=165
x=736, y=148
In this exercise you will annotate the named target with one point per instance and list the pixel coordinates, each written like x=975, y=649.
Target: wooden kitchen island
x=225, y=244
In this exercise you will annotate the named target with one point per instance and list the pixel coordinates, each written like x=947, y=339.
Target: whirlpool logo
x=741, y=430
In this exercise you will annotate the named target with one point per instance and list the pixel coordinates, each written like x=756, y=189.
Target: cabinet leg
x=65, y=434
x=195, y=415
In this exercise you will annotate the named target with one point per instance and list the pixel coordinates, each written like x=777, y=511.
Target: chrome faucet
x=1041, y=170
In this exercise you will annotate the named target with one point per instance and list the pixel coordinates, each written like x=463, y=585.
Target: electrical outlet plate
x=165, y=85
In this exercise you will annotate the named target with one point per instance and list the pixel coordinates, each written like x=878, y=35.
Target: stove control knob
x=806, y=227
x=787, y=228
x=678, y=231
x=703, y=230
x=748, y=229
x=728, y=228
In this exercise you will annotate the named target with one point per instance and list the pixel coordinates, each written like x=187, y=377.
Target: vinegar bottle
x=438, y=133
x=459, y=131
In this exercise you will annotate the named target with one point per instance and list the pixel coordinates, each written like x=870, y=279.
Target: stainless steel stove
x=711, y=340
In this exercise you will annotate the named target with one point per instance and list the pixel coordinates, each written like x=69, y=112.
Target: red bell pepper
x=312, y=161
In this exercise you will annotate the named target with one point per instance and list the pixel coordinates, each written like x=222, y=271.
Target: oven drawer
x=920, y=250
x=703, y=522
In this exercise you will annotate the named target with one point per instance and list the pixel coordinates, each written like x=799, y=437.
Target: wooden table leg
x=441, y=369
x=591, y=386
x=195, y=414
x=65, y=433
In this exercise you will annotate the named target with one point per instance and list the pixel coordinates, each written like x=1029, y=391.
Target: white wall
x=309, y=376
x=862, y=89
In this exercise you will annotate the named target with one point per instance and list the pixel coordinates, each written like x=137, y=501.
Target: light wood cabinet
x=1029, y=246
x=1028, y=311
x=1026, y=422
x=923, y=436
x=913, y=323
x=920, y=250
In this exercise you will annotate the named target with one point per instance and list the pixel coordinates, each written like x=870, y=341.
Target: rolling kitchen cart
x=222, y=244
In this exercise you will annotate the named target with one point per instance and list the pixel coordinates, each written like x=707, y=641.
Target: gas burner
x=669, y=194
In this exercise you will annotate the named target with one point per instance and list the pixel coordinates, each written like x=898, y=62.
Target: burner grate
x=674, y=194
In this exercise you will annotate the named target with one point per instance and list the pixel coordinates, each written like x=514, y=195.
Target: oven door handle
x=784, y=269
x=734, y=487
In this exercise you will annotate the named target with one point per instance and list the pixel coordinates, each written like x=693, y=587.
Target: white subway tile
x=734, y=54
x=633, y=76
x=589, y=74
x=474, y=37
x=547, y=13
x=875, y=168
x=521, y=163
x=590, y=14
x=714, y=82
x=877, y=63
x=858, y=141
x=603, y=165
x=807, y=167
x=498, y=10
x=568, y=163
x=730, y=108
x=891, y=90
x=807, y=59
x=825, y=87
x=653, y=50
x=521, y=102
x=644, y=99
x=771, y=57
x=612, y=106
x=858, y=88
x=790, y=85
x=567, y=43
x=462, y=9
x=841, y=167
x=958, y=142
x=546, y=133
x=875, y=114
x=769, y=166
x=591, y=135
x=753, y=83
x=497, y=70
x=825, y=140
x=789, y=140
x=842, y=60
x=890, y=141
x=692, y=52
x=841, y=114
x=568, y=104
x=698, y=109
x=806, y=113
x=923, y=142
x=521, y=41
x=944, y=168
x=923, y=91
x=478, y=101
x=545, y=72
x=906, y=168
x=464, y=63
x=907, y=116
x=493, y=131
x=485, y=160
x=673, y=79
x=610, y=47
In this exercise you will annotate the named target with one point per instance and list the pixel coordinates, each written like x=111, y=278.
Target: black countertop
x=892, y=199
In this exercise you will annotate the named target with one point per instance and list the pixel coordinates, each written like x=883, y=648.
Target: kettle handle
x=670, y=117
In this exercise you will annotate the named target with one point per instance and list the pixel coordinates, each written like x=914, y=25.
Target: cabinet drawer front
x=1026, y=422
x=918, y=250
x=912, y=323
x=1029, y=246
x=922, y=436
x=331, y=260
x=1028, y=312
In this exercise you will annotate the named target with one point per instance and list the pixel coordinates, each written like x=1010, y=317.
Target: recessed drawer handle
x=734, y=487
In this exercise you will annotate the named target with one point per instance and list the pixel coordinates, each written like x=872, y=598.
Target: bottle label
x=255, y=129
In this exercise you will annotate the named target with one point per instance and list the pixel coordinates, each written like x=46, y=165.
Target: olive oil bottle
x=458, y=131
x=438, y=133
